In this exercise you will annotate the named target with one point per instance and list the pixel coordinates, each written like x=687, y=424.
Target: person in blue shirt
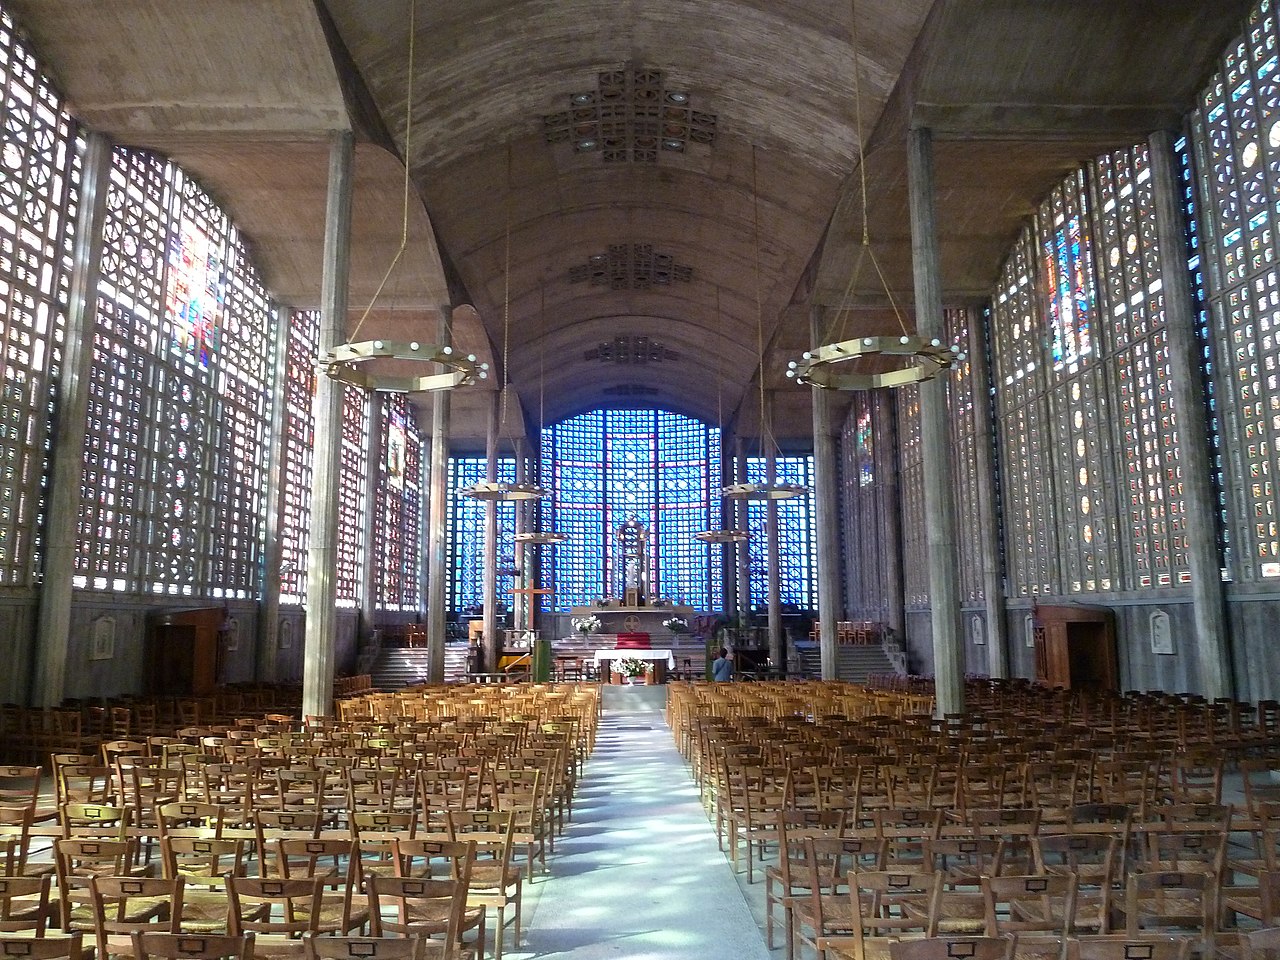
x=722, y=667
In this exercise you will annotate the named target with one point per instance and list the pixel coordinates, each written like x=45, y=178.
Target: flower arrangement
x=676, y=624
x=633, y=667
x=586, y=625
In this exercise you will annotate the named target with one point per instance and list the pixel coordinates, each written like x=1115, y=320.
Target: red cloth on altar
x=633, y=641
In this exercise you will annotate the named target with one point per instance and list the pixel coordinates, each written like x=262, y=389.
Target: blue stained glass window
x=1070, y=307
x=606, y=466
x=465, y=544
x=797, y=561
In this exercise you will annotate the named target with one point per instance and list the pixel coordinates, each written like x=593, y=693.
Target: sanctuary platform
x=646, y=619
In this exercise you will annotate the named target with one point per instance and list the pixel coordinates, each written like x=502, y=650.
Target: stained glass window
x=1236, y=153
x=866, y=432
x=964, y=461
x=915, y=550
x=39, y=194
x=797, y=560
x=1030, y=518
x=299, y=434
x=1136, y=343
x=605, y=466
x=173, y=483
x=353, y=474
x=466, y=540
x=397, y=559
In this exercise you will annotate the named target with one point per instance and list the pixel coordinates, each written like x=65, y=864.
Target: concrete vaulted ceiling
x=749, y=230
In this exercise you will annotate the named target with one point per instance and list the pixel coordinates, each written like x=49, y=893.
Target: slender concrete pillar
x=727, y=569
x=523, y=552
x=742, y=521
x=492, y=642
x=1212, y=637
x=996, y=632
x=437, y=519
x=895, y=592
x=269, y=622
x=70, y=422
x=777, y=640
x=373, y=565
x=322, y=551
x=827, y=521
x=939, y=493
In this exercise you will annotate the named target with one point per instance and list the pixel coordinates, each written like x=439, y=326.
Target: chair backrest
x=424, y=857
x=203, y=862
x=123, y=905
x=255, y=903
x=24, y=904
x=401, y=906
x=1171, y=900
x=1040, y=904
x=68, y=947
x=886, y=905
x=188, y=946
x=366, y=948
x=953, y=948
x=1122, y=948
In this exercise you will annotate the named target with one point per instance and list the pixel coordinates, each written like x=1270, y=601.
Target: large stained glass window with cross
x=607, y=466
x=39, y=195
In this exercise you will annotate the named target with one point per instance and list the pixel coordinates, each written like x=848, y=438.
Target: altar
x=635, y=619
x=662, y=660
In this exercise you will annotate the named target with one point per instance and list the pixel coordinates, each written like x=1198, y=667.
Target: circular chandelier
x=722, y=536
x=764, y=491
x=344, y=364
x=500, y=491
x=917, y=360
x=542, y=538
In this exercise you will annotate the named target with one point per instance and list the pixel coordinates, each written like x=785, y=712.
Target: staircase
x=398, y=667
x=854, y=662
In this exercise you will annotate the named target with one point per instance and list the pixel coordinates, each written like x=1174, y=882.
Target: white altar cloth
x=624, y=653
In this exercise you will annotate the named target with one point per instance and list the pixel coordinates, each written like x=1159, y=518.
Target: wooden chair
x=276, y=911
x=203, y=864
x=1261, y=944
x=148, y=945
x=885, y=906
x=343, y=904
x=1122, y=948
x=25, y=905
x=67, y=947
x=76, y=861
x=1039, y=911
x=787, y=879
x=1094, y=861
x=123, y=906
x=1172, y=902
x=432, y=909
x=373, y=948
x=495, y=881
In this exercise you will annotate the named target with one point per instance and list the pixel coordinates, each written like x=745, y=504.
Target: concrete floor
x=638, y=873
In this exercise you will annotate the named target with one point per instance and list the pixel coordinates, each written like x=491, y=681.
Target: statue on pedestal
x=633, y=537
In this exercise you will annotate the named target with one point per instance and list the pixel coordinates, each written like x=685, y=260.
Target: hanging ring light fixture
x=911, y=358
x=345, y=363
x=499, y=490
x=761, y=491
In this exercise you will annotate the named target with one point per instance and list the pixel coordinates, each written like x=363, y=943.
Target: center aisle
x=638, y=873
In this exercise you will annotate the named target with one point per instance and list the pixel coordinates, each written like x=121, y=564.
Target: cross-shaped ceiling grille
x=630, y=266
x=633, y=350
x=631, y=116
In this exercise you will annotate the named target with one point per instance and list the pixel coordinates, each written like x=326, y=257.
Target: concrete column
x=492, y=642
x=523, y=553
x=1212, y=629
x=997, y=633
x=939, y=493
x=70, y=423
x=728, y=566
x=827, y=521
x=895, y=593
x=741, y=520
x=777, y=641
x=322, y=552
x=437, y=519
x=269, y=622
x=373, y=564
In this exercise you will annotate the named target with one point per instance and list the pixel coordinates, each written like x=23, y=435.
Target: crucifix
x=530, y=593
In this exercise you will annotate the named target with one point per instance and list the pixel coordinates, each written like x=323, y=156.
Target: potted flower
x=587, y=625
x=676, y=624
x=633, y=669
